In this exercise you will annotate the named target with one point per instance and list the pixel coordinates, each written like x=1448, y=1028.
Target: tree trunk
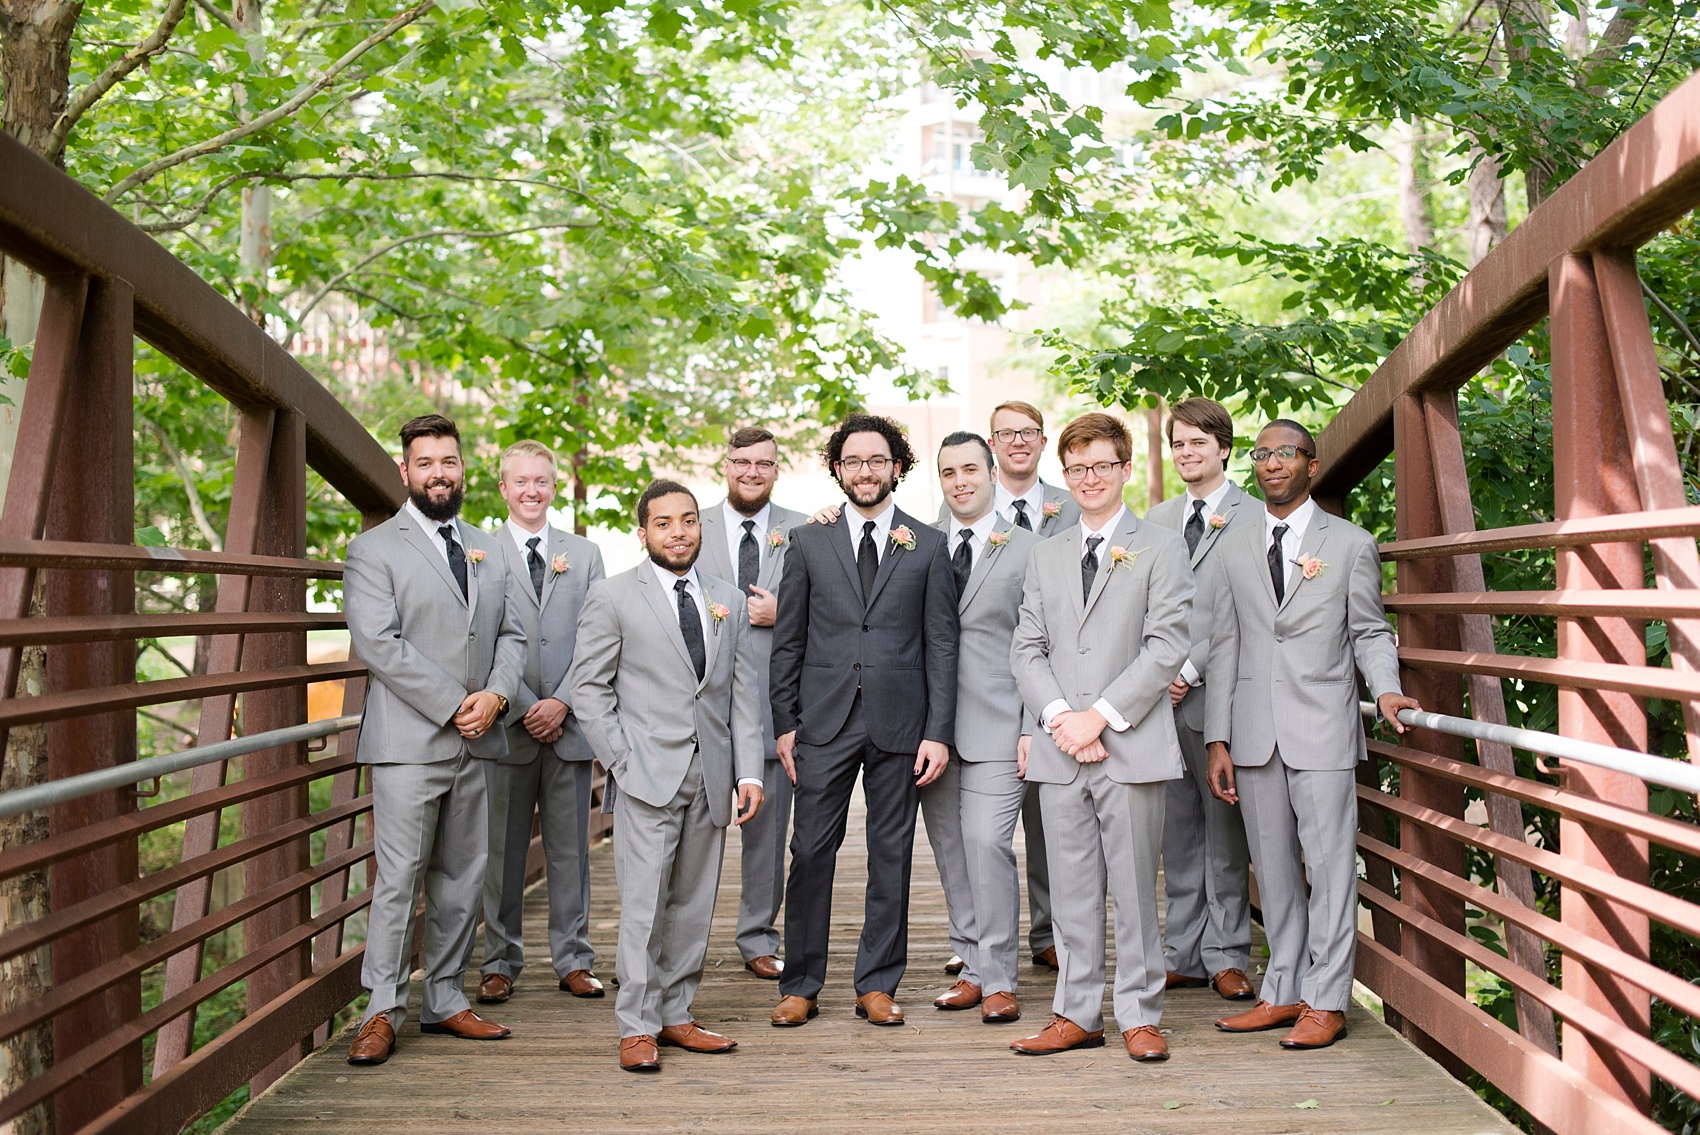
x=1413, y=188
x=255, y=250
x=1486, y=224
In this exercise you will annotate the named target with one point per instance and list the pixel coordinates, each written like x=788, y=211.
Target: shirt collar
x=1213, y=502
x=1297, y=522
x=982, y=528
x=882, y=522
x=1106, y=532
x=430, y=525
x=1004, y=501
x=521, y=536
x=667, y=579
x=735, y=519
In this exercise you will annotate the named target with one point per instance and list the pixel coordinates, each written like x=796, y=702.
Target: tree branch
x=283, y=110
x=213, y=539
x=1673, y=317
x=217, y=13
x=150, y=46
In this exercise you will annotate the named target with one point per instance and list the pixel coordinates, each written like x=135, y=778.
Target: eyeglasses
x=1284, y=452
x=744, y=465
x=1028, y=435
x=872, y=464
x=1101, y=470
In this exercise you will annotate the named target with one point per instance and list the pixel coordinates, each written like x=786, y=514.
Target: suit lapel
x=1230, y=503
x=556, y=546
x=1047, y=524
x=982, y=568
x=472, y=569
x=773, y=559
x=666, y=612
x=842, y=547
x=1123, y=536
x=888, y=561
x=422, y=543
x=714, y=544
x=519, y=567
x=1316, y=535
x=715, y=628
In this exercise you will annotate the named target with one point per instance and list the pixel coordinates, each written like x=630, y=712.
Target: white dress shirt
x=735, y=533
x=854, y=521
x=1033, y=500
x=520, y=536
x=1108, y=711
x=1212, y=505
x=693, y=588
x=1297, y=522
x=430, y=526
x=979, y=532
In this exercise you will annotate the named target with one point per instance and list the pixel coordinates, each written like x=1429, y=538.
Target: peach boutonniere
x=1120, y=557
x=775, y=538
x=475, y=555
x=1310, y=566
x=1217, y=520
x=903, y=537
x=718, y=612
x=998, y=539
x=1052, y=508
x=559, y=564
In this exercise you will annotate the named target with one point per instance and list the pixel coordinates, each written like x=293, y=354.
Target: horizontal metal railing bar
x=1615, y=1035
x=133, y=695
x=85, y=985
x=1671, y=833
x=119, y=628
x=1655, y=904
x=55, y=848
x=1602, y=955
x=136, y=891
x=1655, y=770
x=180, y=561
x=1633, y=604
x=39, y=796
x=1642, y=681
x=1655, y=524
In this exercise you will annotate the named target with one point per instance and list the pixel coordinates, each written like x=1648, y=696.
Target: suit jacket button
x=1280, y=638
x=864, y=628
x=856, y=666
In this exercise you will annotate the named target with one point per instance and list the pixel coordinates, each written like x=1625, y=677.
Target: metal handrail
x=70, y=788
x=1654, y=770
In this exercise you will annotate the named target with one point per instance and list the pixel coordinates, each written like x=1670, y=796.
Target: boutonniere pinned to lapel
x=903, y=537
x=1052, y=508
x=1120, y=557
x=475, y=555
x=559, y=564
x=1217, y=520
x=998, y=539
x=718, y=612
x=1310, y=566
x=775, y=538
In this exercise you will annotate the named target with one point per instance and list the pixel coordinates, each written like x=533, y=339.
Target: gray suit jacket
x=1124, y=643
x=1172, y=514
x=551, y=629
x=1068, y=513
x=717, y=561
x=1282, y=676
x=426, y=645
x=989, y=714
x=637, y=694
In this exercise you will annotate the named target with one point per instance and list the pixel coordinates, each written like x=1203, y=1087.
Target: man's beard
x=885, y=487
x=660, y=559
x=746, y=507
x=442, y=512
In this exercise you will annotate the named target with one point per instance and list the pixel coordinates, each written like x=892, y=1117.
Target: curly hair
x=887, y=428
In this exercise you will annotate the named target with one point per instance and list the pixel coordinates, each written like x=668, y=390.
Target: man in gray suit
x=664, y=683
x=441, y=634
x=971, y=811
x=1207, y=916
x=744, y=540
x=1102, y=633
x=547, y=769
x=864, y=681
x=1298, y=602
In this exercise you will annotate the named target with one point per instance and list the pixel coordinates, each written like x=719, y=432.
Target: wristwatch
x=501, y=706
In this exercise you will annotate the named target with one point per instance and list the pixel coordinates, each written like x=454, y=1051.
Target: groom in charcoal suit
x=864, y=680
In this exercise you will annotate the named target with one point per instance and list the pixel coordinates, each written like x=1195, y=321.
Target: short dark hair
x=1289, y=424
x=655, y=491
x=1205, y=414
x=750, y=435
x=427, y=425
x=968, y=437
x=860, y=423
x=1095, y=425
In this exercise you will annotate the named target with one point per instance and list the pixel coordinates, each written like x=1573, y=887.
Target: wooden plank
x=941, y=1072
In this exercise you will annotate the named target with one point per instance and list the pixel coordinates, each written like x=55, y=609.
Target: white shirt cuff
x=1116, y=720
x=755, y=780
x=1048, y=716
x=1190, y=674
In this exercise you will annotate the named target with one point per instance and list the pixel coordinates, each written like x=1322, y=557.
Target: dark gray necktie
x=690, y=625
x=1194, y=527
x=962, y=563
x=749, y=558
x=457, y=556
x=1278, y=564
x=534, y=562
x=1089, y=566
x=867, y=561
x=1021, y=520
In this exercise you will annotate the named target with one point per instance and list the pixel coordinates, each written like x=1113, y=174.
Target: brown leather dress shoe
x=879, y=1009
x=582, y=983
x=1233, y=985
x=997, y=1008
x=1316, y=1028
x=1047, y=958
x=374, y=1043
x=766, y=967
x=1262, y=1016
x=792, y=1011
x=1060, y=1035
x=467, y=1025
x=495, y=988
x=955, y=966
x=963, y=995
x=1144, y=1042
x=639, y=1054
x=1182, y=981
x=692, y=1037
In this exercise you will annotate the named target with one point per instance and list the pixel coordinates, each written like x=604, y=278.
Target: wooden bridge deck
x=942, y=1072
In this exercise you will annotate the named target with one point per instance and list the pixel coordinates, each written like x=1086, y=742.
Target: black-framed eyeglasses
x=873, y=464
x=1029, y=434
x=744, y=465
x=1101, y=470
x=1284, y=452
